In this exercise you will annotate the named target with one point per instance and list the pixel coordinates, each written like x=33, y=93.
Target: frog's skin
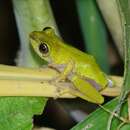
x=77, y=66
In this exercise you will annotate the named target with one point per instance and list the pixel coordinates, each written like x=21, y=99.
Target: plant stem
x=31, y=15
x=94, y=31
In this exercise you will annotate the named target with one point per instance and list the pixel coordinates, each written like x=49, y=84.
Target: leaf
x=98, y=120
x=16, y=113
x=124, y=6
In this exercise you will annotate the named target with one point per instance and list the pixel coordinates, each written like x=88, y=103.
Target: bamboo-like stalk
x=18, y=81
x=22, y=73
x=116, y=89
x=37, y=82
x=34, y=88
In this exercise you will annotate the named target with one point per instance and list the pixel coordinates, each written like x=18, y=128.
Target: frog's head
x=44, y=43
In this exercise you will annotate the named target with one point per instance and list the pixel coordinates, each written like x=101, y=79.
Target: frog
x=78, y=67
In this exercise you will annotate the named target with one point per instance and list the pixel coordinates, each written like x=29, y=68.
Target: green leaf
x=124, y=6
x=98, y=120
x=16, y=113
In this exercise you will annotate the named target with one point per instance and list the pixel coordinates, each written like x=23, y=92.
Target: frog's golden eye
x=43, y=48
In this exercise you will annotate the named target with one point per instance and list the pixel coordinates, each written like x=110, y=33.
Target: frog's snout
x=32, y=35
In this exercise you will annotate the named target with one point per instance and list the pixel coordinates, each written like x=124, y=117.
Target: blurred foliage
x=94, y=32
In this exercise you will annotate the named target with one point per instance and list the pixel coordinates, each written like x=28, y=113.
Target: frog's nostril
x=32, y=36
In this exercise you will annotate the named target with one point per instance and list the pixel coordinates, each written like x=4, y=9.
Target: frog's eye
x=43, y=48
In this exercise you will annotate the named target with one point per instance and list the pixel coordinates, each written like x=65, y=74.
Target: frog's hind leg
x=90, y=93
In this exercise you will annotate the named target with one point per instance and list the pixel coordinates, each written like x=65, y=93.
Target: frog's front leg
x=65, y=70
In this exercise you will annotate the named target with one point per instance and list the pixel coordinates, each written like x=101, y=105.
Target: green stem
x=94, y=31
x=31, y=15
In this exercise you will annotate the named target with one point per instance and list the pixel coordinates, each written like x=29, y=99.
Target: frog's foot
x=61, y=88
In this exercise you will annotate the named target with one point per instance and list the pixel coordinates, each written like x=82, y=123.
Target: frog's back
x=79, y=56
x=85, y=65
